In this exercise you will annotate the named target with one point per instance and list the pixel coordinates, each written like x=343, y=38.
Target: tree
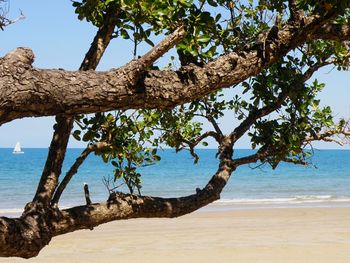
x=4, y=21
x=270, y=49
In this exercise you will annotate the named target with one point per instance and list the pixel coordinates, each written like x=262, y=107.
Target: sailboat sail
x=17, y=148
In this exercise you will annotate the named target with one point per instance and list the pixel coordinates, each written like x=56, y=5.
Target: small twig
x=87, y=194
x=215, y=125
x=107, y=181
x=202, y=5
x=158, y=50
x=5, y=21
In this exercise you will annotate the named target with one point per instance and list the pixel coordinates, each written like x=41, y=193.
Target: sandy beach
x=255, y=235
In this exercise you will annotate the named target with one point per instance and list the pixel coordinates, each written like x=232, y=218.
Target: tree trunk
x=26, y=92
x=27, y=235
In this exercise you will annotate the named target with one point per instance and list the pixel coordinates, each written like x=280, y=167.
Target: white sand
x=260, y=235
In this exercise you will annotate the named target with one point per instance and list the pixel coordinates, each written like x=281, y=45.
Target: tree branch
x=257, y=114
x=328, y=136
x=261, y=154
x=136, y=69
x=125, y=206
x=52, y=170
x=310, y=71
x=219, y=132
x=53, y=165
x=330, y=31
x=193, y=143
x=160, y=49
x=26, y=236
x=26, y=91
x=90, y=62
x=101, y=41
x=4, y=21
x=74, y=169
x=71, y=172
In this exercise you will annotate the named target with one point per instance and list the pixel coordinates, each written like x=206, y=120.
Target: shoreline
x=254, y=235
x=229, y=206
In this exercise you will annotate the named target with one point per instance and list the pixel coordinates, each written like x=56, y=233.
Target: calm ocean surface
x=176, y=175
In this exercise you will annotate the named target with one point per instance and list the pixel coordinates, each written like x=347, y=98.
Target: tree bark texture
x=27, y=235
x=26, y=91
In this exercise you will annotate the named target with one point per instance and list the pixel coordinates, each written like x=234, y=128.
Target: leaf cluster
x=216, y=27
x=128, y=143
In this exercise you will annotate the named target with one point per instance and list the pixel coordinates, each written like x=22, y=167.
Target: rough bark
x=122, y=206
x=26, y=236
x=53, y=166
x=27, y=92
x=100, y=42
x=23, y=237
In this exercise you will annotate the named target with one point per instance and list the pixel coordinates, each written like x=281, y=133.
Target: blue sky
x=59, y=40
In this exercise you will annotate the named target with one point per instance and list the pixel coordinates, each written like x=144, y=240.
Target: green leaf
x=212, y=3
x=149, y=42
x=124, y=34
x=156, y=158
x=76, y=135
x=203, y=39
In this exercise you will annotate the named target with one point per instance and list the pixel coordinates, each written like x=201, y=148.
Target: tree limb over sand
x=26, y=91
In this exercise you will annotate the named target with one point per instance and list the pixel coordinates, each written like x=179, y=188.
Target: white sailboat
x=17, y=149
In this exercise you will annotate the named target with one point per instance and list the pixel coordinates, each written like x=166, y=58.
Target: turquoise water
x=176, y=175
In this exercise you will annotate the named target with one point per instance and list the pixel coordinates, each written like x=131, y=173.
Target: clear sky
x=59, y=40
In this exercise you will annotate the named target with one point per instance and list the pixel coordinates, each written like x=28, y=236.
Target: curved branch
x=193, y=143
x=255, y=115
x=26, y=236
x=261, y=154
x=330, y=31
x=71, y=172
x=328, y=136
x=219, y=133
x=90, y=62
x=160, y=49
x=74, y=169
x=265, y=152
x=101, y=40
x=53, y=165
x=64, y=125
x=206, y=135
x=4, y=21
x=121, y=206
x=26, y=91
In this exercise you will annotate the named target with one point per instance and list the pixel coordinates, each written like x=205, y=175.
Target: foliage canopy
x=265, y=52
x=215, y=28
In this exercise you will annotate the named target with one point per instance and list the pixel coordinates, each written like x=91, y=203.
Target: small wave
x=287, y=200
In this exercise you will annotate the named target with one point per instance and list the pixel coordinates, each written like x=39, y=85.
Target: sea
x=326, y=183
